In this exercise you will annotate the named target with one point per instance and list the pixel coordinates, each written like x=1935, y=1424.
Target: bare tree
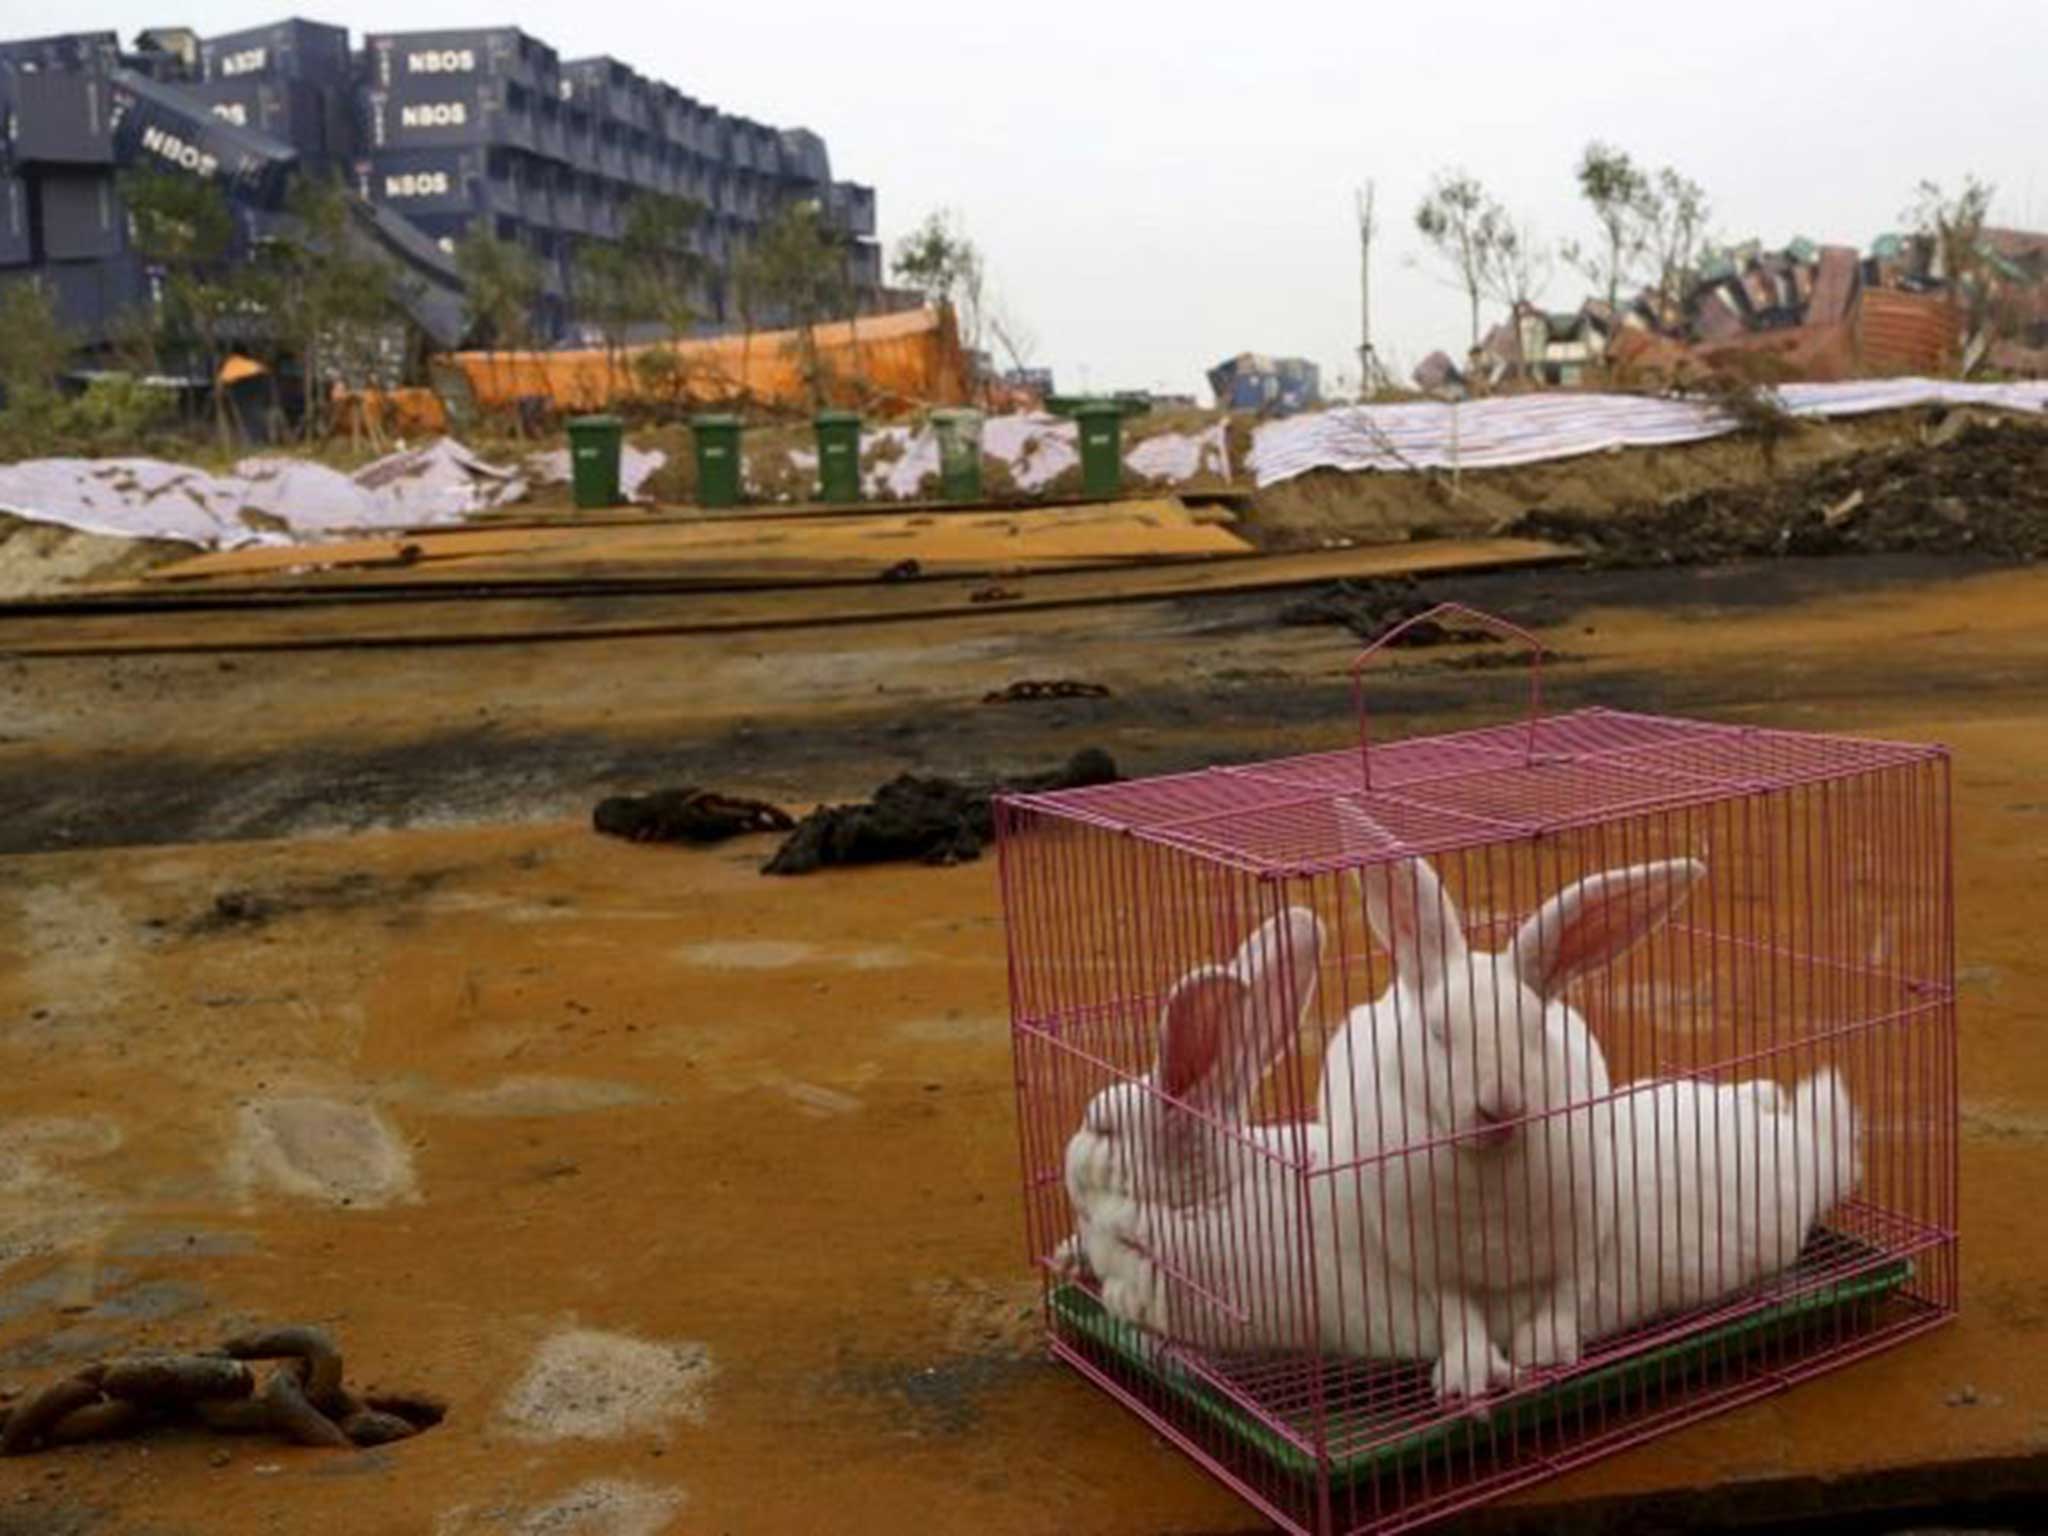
x=1018, y=341
x=327, y=299
x=798, y=267
x=1370, y=374
x=1676, y=212
x=1620, y=196
x=501, y=284
x=1463, y=227
x=183, y=226
x=1954, y=228
x=944, y=265
x=1517, y=266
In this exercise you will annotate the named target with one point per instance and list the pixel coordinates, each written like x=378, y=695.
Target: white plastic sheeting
x=1177, y=456
x=277, y=500
x=1036, y=450
x=263, y=501
x=635, y=466
x=1528, y=429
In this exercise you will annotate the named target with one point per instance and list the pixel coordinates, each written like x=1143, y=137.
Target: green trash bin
x=838, y=455
x=1101, y=425
x=959, y=435
x=594, y=443
x=718, y=460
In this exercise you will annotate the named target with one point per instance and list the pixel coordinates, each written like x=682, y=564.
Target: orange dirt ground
x=457, y=1090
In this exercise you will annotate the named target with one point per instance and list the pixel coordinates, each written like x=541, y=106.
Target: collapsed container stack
x=293, y=82
x=57, y=205
x=444, y=130
x=489, y=125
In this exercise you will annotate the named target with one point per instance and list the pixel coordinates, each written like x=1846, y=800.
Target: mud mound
x=1372, y=607
x=686, y=815
x=1327, y=506
x=44, y=560
x=923, y=819
x=1983, y=490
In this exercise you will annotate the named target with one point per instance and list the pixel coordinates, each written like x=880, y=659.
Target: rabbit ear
x=1599, y=919
x=1222, y=1028
x=1204, y=1012
x=1415, y=920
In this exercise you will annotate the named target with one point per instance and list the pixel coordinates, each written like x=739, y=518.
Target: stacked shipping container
x=488, y=123
x=450, y=129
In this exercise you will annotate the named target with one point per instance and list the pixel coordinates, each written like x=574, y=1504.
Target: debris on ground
x=302, y=1398
x=1981, y=489
x=1030, y=690
x=686, y=815
x=244, y=907
x=923, y=819
x=903, y=570
x=1371, y=607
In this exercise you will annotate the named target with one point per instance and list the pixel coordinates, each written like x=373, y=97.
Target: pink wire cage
x=1406, y=1124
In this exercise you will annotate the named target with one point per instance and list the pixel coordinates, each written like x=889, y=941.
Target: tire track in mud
x=55, y=800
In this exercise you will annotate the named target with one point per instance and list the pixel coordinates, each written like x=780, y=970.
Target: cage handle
x=1487, y=621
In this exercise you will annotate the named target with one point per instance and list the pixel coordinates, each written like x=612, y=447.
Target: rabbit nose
x=1497, y=1122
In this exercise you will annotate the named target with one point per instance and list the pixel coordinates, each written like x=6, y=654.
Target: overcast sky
x=1157, y=187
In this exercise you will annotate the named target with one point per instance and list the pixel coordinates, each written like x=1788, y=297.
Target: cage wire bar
x=1404, y=1125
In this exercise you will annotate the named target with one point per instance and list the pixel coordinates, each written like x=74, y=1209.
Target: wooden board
x=848, y=546
x=185, y=620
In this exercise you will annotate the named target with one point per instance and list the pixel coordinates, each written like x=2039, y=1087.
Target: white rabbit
x=1474, y=1062
x=1716, y=1187
x=1191, y=1221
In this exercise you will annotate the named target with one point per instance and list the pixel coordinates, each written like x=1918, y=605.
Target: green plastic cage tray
x=1872, y=1277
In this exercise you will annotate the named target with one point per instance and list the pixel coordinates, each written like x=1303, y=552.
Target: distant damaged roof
x=2018, y=244
x=1437, y=371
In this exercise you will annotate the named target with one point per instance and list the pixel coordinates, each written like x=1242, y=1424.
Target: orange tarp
x=883, y=364
x=399, y=412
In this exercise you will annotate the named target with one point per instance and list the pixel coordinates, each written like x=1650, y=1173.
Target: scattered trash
x=302, y=1399
x=1842, y=510
x=920, y=819
x=1966, y=1398
x=994, y=595
x=352, y=890
x=903, y=570
x=1031, y=689
x=1370, y=608
x=686, y=815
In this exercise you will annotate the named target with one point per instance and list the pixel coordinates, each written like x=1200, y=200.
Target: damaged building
x=1805, y=310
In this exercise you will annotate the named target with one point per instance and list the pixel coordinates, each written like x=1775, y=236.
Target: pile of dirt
x=46, y=560
x=1978, y=487
x=927, y=820
x=1371, y=607
x=1326, y=507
